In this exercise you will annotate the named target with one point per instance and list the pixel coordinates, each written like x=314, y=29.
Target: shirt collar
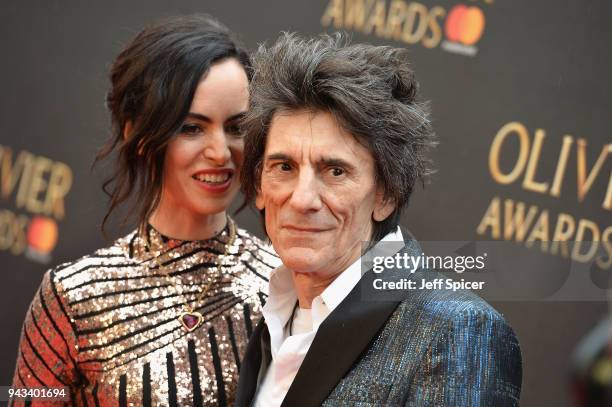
x=337, y=291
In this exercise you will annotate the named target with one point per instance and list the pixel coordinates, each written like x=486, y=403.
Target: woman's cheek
x=238, y=154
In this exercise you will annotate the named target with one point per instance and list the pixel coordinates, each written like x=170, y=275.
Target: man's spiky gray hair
x=370, y=90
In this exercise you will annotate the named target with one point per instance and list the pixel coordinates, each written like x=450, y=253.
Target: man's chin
x=301, y=260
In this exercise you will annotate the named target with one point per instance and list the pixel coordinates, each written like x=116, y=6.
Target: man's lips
x=305, y=229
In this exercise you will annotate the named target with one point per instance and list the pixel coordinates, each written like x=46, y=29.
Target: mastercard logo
x=464, y=24
x=42, y=234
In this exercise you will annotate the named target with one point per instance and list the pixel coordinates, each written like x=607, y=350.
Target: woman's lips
x=214, y=180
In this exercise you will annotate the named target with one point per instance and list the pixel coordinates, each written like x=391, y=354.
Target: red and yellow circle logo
x=42, y=234
x=464, y=24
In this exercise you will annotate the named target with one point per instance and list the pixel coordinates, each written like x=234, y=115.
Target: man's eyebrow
x=336, y=162
x=278, y=157
x=325, y=161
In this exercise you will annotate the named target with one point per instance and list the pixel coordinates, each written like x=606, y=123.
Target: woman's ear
x=128, y=134
x=127, y=130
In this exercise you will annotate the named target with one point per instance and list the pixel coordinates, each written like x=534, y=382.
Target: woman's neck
x=185, y=225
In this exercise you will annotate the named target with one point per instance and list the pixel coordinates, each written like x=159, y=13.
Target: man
x=335, y=141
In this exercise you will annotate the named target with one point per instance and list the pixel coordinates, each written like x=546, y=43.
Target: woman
x=161, y=317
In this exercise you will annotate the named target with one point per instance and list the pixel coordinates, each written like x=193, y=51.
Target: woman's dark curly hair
x=153, y=81
x=370, y=90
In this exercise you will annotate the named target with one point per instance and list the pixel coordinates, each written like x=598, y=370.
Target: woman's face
x=202, y=162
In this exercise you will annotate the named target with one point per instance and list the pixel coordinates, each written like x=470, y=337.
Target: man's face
x=319, y=193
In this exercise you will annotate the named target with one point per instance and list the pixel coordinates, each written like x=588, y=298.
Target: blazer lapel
x=345, y=335
x=339, y=342
x=256, y=358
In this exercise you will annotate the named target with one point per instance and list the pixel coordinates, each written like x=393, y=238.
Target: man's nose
x=216, y=148
x=306, y=194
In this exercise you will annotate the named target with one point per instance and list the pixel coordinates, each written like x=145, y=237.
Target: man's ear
x=383, y=207
x=259, y=201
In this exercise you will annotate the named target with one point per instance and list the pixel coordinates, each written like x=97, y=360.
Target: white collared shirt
x=288, y=352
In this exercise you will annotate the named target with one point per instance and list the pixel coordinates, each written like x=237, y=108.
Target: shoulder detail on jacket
x=116, y=252
x=257, y=255
x=68, y=276
x=251, y=241
x=451, y=306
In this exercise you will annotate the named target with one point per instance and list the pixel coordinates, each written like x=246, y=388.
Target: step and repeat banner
x=520, y=99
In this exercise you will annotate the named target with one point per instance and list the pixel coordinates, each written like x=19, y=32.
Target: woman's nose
x=216, y=148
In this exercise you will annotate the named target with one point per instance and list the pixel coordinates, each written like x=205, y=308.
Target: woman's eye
x=191, y=129
x=235, y=130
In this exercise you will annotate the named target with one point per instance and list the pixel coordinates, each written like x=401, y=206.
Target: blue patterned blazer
x=426, y=348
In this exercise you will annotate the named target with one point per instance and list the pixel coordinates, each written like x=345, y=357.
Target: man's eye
x=337, y=172
x=190, y=129
x=280, y=167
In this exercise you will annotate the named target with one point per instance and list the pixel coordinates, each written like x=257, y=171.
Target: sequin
x=107, y=325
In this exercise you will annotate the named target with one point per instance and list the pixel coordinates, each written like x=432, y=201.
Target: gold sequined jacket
x=108, y=328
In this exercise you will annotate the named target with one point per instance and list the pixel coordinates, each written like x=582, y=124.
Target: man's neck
x=310, y=285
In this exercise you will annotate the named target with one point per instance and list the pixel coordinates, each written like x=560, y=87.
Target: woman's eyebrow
x=199, y=116
x=235, y=117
